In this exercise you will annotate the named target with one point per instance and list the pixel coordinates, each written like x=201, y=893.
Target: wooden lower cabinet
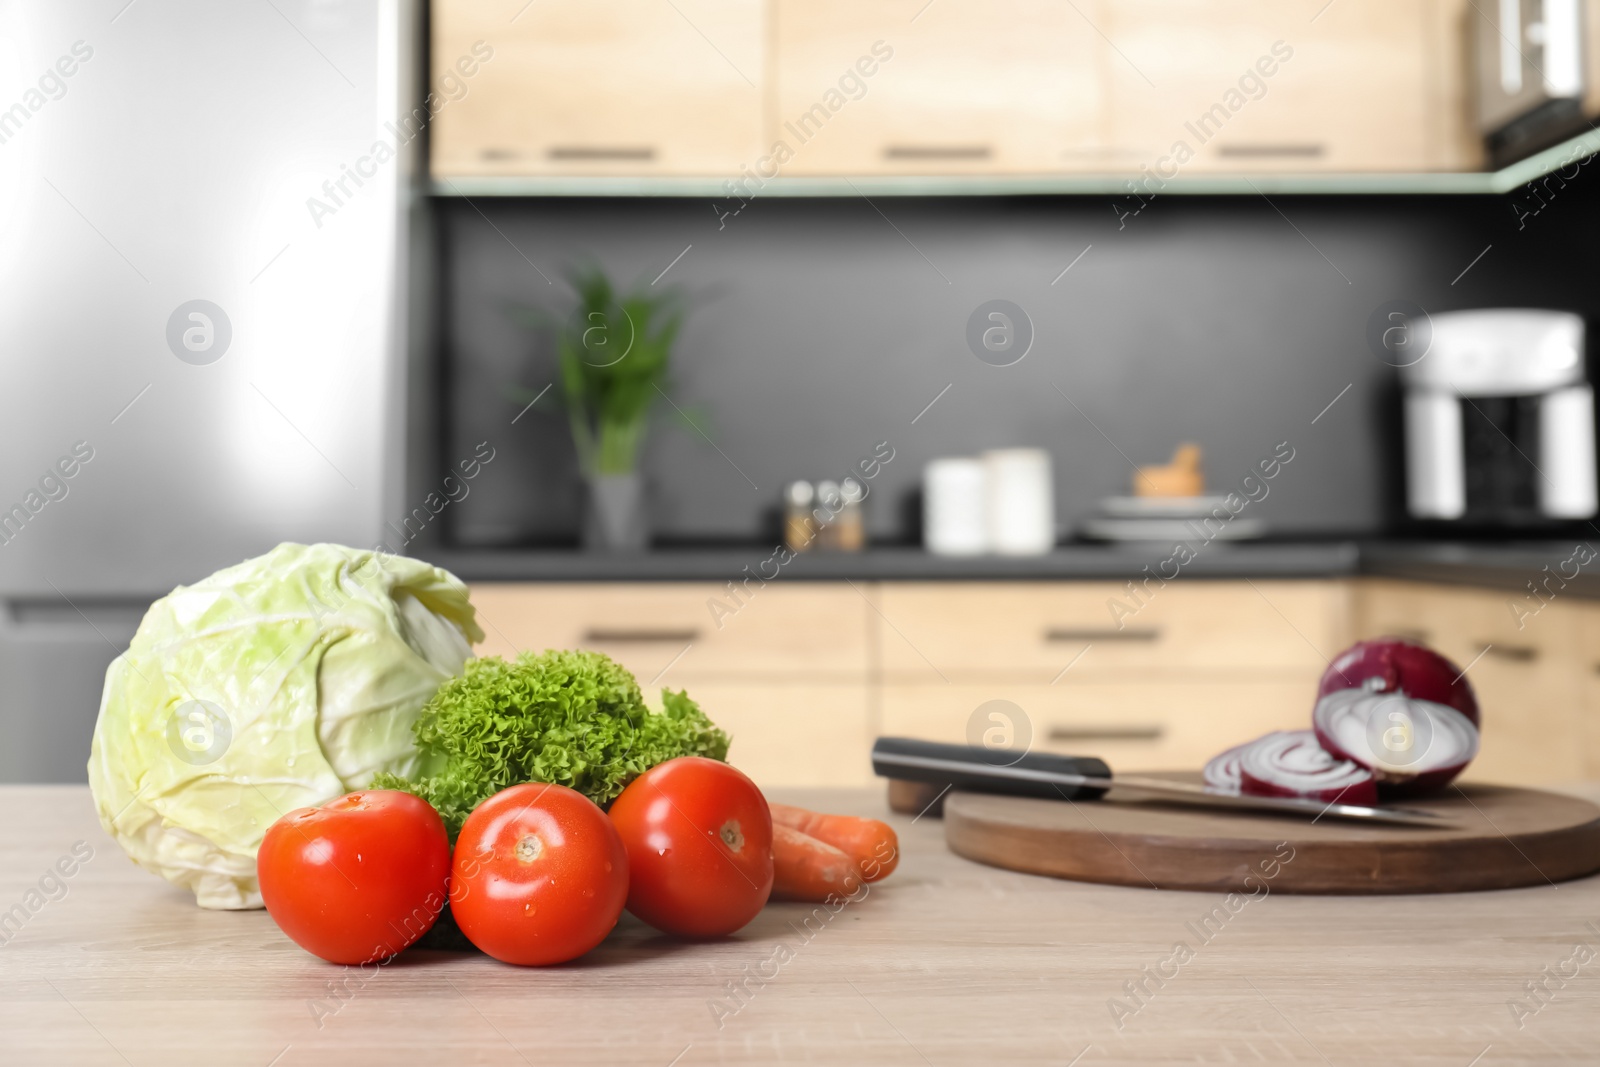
x=793, y=732
x=1133, y=726
x=1032, y=631
x=785, y=671
x=682, y=631
x=807, y=674
x=1528, y=671
x=1587, y=662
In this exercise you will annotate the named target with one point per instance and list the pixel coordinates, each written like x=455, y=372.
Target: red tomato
x=540, y=875
x=359, y=878
x=699, y=840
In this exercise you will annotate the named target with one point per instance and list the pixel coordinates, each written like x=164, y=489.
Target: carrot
x=804, y=868
x=870, y=843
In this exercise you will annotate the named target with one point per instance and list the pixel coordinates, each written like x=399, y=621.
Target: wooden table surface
x=947, y=962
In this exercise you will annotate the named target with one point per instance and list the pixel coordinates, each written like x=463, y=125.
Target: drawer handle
x=1067, y=634
x=1270, y=151
x=930, y=151
x=598, y=636
x=1149, y=732
x=1419, y=637
x=1513, y=653
x=585, y=153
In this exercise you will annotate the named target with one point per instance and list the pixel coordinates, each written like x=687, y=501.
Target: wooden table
x=945, y=963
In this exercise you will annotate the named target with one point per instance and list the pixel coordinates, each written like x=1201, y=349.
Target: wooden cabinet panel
x=1032, y=632
x=805, y=674
x=1587, y=661
x=967, y=86
x=793, y=733
x=1527, y=679
x=809, y=630
x=1276, y=85
x=1132, y=725
x=595, y=87
x=1452, y=140
x=711, y=88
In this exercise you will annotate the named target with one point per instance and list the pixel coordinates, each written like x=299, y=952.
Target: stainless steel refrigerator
x=202, y=266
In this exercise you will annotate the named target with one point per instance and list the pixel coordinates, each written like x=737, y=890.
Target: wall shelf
x=1478, y=183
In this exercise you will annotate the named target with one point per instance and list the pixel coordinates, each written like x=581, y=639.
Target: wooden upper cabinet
x=955, y=86
x=731, y=89
x=1284, y=85
x=597, y=87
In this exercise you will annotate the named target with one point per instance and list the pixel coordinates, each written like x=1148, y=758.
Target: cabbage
x=284, y=681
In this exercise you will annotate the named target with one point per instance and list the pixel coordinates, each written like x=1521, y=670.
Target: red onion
x=1394, y=665
x=1290, y=763
x=1410, y=745
x=1222, y=773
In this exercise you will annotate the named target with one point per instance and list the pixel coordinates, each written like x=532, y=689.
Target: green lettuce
x=573, y=718
x=281, y=682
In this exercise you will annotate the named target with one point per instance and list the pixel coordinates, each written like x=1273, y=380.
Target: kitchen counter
x=1507, y=565
x=1510, y=566
x=946, y=962
x=1263, y=560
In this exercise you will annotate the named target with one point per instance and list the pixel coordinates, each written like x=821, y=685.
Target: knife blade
x=1053, y=777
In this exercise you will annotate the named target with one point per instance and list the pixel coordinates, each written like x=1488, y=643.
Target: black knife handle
x=984, y=770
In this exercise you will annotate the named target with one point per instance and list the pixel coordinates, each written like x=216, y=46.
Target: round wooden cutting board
x=1500, y=837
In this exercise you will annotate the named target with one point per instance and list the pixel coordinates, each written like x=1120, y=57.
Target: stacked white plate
x=1168, y=519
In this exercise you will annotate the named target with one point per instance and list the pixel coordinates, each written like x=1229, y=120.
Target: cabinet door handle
x=590, y=153
x=1072, y=635
x=934, y=151
x=1512, y=653
x=597, y=635
x=1131, y=732
x=1270, y=151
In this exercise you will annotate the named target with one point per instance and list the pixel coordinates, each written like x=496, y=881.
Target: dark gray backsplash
x=822, y=327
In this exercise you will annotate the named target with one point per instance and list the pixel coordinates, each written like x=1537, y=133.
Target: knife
x=1052, y=777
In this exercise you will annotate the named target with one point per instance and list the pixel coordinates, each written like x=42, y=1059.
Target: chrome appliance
x=1500, y=420
x=1532, y=74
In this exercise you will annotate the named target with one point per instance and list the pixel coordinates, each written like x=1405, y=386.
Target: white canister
x=1021, y=502
x=954, y=507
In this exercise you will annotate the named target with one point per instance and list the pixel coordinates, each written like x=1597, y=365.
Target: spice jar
x=799, y=526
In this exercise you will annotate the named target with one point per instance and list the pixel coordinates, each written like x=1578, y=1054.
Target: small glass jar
x=850, y=527
x=799, y=525
x=829, y=507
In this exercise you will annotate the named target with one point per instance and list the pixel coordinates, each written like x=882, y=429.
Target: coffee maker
x=1500, y=421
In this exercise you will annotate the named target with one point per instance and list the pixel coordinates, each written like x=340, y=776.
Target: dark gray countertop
x=1509, y=565
x=1573, y=565
x=1264, y=560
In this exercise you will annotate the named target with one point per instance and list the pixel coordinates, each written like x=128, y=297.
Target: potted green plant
x=614, y=351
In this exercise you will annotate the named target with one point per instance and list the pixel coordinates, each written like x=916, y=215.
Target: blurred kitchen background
x=303, y=270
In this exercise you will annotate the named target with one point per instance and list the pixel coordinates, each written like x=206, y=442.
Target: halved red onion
x=1222, y=772
x=1290, y=763
x=1409, y=745
x=1395, y=665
